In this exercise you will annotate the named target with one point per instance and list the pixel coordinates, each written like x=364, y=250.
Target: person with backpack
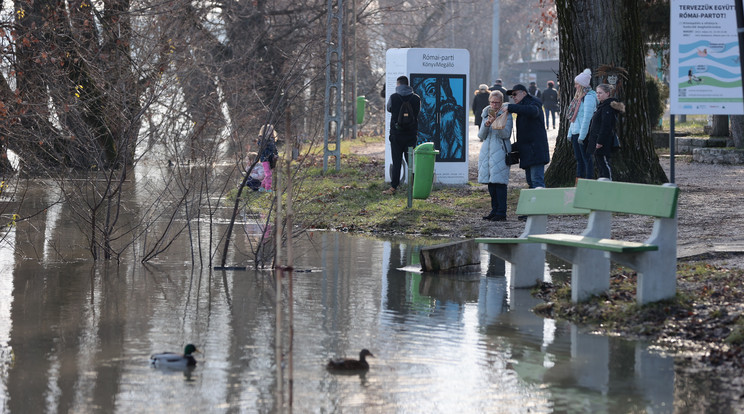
x=602, y=138
x=404, y=107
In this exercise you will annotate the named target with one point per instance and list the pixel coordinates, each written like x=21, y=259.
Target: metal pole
x=409, y=171
x=354, y=71
x=671, y=148
x=334, y=87
x=740, y=32
x=495, y=42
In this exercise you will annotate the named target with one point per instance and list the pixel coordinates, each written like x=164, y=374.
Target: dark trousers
x=498, y=199
x=584, y=164
x=550, y=112
x=398, y=149
x=603, y=166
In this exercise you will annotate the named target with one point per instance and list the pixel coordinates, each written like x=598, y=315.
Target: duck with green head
x=172, y=359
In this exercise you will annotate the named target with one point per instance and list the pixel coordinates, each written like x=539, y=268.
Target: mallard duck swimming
x=351, y=364
x=172, y=359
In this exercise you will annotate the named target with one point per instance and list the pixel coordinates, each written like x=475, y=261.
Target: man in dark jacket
x=550, y=103
x=401, y=138
x=480, y=101
x=532, y=90
x=532, y=139
x=498, y=86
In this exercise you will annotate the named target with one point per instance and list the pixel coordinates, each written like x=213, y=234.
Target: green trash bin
x=423, y=169
x=360, y=102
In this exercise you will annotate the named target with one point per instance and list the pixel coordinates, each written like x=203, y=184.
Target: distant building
x=538, y=71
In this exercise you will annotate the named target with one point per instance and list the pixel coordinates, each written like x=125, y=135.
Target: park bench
x=528, y=258
x=590, y=253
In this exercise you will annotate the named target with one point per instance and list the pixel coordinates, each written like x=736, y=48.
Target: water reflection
x=76, y=338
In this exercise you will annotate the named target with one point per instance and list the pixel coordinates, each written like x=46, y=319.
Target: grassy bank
x=351, y=199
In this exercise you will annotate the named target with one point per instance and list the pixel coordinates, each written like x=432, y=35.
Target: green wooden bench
x=527, y=258
x=591, y=252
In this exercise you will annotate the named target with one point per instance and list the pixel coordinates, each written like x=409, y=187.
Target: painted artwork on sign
x=442, y=119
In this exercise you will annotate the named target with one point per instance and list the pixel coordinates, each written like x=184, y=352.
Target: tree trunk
x=737, y=130
x=603, y=32
x=720, y=126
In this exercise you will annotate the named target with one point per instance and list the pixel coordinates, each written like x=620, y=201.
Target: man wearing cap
x=480, y=101
x=497, y=86
x=532, y=140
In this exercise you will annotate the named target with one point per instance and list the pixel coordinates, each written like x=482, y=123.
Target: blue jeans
x=584, y=162
x=535, y=175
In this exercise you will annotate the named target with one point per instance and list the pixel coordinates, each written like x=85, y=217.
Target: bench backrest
x=548, y=201
x=630, y=198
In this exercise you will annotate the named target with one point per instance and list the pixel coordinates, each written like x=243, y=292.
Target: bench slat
x=548, y=201
x=608, y=245
x=630, y=198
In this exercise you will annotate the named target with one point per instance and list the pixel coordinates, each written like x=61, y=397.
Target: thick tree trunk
x=737, y=130
x=720, y=126
x=594, y=33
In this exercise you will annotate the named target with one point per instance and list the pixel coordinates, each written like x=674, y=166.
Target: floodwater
x=76, y=337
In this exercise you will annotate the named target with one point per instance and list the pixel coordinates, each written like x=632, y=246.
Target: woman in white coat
x=492, y=168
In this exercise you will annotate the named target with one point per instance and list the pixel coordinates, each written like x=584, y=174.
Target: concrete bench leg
x=527, y=262
x=657, y=270
x=590, y=270
x=527, y=259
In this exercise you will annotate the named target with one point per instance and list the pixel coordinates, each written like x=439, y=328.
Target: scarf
x=573, y=108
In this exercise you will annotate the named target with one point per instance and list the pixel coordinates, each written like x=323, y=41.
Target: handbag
x=512, y=157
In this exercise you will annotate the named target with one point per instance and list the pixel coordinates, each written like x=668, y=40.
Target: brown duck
x=351, y=364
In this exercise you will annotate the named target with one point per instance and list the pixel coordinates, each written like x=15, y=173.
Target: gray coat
x=491, y=165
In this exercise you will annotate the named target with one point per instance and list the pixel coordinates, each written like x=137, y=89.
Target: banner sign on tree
x=704, y=72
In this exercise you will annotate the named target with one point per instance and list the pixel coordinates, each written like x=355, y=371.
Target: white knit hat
x=584, y=78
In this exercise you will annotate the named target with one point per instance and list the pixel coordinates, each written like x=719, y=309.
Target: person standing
x=268, y=154
x=601, y=137
x=532, y=139
x=532, y=89
x=550, y=103
x=579, y=114
x=402, y=136
x=498, y=86
x=480, y=101
x=492, y=168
